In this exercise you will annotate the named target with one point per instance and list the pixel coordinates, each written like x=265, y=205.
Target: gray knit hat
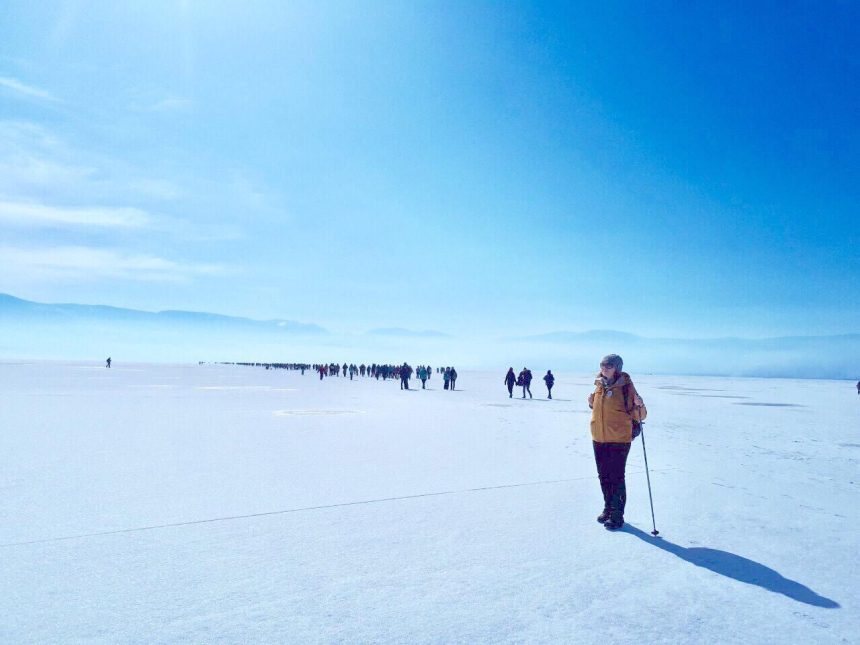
x=613, y=359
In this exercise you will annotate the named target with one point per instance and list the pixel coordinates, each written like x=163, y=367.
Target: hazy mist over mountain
x=75, y=331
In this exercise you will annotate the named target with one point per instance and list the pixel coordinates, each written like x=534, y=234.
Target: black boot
x=613, y=523
x=603, y=516
x=617, y=494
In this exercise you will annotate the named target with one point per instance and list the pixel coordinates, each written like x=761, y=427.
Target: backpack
x=636, y=427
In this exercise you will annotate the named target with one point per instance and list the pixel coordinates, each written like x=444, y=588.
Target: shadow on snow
x=737, y=567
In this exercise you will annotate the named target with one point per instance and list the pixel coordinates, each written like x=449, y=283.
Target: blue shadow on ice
x=737, y=567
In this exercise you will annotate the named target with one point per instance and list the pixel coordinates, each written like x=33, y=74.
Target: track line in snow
x=231, y=518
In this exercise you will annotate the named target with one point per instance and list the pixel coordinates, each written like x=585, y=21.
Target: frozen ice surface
x=210, y=504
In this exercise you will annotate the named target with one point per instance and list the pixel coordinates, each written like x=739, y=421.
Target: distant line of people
x=402, y=373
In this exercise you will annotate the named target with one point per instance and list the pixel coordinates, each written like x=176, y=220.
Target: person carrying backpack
x=526, y=380
x=615, y=405
x=405, y=375
x=549, y=379
x=510, y=380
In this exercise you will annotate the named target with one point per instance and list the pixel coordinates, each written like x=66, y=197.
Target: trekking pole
x=650, y=499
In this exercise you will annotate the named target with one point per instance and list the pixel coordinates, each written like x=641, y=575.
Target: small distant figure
x=107, y=365
x=549, y=379
x=453, y=377
x=525, y=379
x=423, y=375
x=405, y=374
x=510, y=381
x=446, y=377
x=858, y=387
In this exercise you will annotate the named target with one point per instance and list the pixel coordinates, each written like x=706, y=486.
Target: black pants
x=510, y=390
x=527, y=388
x=549, y=391
x=453, y=382
x=404, y=384
x=423, y=384
x=611, y=459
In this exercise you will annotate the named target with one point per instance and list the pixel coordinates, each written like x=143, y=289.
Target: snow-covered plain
x=208, y=504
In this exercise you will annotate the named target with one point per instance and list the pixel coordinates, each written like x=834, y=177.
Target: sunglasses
x=607, y=365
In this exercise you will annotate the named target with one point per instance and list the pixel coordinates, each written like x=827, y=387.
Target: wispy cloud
x=26, y=91
x=41, y=215
x=34, y=162
x=171, y=104
x=17, y=133
x=40, y=169
x=79, y=263
x=158, y=100
x=35, y=165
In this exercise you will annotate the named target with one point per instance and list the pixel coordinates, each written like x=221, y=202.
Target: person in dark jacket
x=510, y=381
x=405, y=375
x=549, y=379
x=453, y=379
x=615, y=404
x=526, y=376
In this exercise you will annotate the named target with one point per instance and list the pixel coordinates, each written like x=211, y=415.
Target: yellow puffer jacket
x=610, y=422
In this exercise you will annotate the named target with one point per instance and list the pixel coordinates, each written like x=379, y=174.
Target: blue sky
x=469, y=167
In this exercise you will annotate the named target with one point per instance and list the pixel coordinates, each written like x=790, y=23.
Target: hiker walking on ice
x=549, y=379
x=510, y=381
x=526, y=376
x=614, y=404
x=107, y=364
x=405, y=374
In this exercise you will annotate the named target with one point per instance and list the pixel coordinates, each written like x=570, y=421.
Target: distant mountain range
x=72, y=331
x=836, y=356
x=617, y=336
x=37, y=312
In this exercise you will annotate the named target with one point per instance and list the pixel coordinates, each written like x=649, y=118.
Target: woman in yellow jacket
x=614, y=404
